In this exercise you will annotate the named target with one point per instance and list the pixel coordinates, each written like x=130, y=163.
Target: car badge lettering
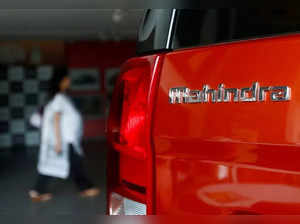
x=255, y=93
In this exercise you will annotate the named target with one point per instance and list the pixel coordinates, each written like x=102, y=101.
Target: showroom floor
x=17, y=175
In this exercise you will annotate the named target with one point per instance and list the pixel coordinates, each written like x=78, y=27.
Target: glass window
x=203, y=27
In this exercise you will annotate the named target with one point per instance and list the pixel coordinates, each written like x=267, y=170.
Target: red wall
x=100, y=55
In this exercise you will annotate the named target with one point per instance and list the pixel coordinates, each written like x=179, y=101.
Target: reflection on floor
x=18, y=173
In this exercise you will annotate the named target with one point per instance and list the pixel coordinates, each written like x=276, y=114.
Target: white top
x=51, y=163
x=71, y=120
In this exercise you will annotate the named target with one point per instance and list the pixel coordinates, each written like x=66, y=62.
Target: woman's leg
x=41, y=184
x=78, y=175
x=39, y=192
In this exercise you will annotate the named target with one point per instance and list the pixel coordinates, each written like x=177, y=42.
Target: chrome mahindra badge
x=255, y=93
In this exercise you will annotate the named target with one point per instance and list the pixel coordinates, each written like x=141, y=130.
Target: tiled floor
x=17, y=175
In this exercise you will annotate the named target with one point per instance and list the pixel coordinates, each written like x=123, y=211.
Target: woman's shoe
x=91, y=192
x=37, y=197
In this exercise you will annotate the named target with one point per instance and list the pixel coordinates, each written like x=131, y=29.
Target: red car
x=206, y=120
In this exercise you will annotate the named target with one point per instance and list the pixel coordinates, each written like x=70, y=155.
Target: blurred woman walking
x=61, y=154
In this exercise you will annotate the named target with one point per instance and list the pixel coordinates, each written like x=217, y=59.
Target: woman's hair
x=58, y=75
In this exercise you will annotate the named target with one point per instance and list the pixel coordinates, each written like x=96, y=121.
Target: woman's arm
x=57, y=130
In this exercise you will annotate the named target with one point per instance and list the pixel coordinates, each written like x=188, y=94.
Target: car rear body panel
x=234, y=157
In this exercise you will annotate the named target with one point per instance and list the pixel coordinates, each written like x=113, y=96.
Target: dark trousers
x=76, y=171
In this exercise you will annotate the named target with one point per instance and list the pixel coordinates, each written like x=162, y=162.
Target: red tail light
x=130, y=159
x=129, y=111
